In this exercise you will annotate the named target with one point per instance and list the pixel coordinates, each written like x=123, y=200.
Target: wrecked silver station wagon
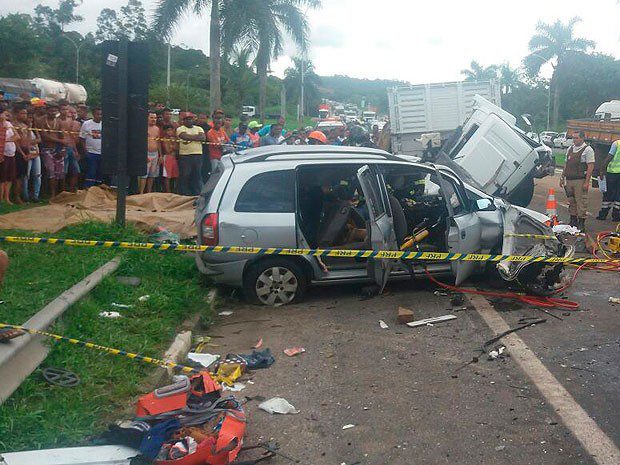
x=323, y=197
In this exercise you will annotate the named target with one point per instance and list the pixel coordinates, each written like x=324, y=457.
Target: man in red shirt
x=216, y=139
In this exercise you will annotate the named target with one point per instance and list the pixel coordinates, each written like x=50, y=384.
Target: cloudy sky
x=410, y=40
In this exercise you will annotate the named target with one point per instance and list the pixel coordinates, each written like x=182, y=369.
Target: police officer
x=611, y=197
x=576, y=177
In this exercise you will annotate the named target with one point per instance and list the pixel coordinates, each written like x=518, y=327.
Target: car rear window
x=272, y=192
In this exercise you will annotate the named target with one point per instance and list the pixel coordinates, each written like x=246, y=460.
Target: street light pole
x=301, y=99
x=77, y=56
x=189, y=73
x=168, y=79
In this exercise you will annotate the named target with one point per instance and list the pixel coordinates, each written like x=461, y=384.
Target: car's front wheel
x=274, y=282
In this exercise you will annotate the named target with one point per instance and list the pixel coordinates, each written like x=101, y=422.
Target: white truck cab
x=495, y=155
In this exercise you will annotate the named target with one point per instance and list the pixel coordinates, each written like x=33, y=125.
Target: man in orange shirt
x=216, y=139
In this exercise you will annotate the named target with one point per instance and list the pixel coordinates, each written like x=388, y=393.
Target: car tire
x=274, y=282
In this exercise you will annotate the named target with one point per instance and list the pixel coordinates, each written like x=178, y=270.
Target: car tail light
x=209, y=230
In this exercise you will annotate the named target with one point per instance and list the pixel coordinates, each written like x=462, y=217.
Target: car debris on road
x=431, y=321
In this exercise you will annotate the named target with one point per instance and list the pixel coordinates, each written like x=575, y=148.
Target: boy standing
x=169, y=148
x=152, y=157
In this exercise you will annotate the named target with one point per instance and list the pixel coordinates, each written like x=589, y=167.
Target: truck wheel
x=523, y=194
x=274, y=282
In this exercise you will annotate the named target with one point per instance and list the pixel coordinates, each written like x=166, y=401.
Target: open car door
x=381, y=225
x=464, y=230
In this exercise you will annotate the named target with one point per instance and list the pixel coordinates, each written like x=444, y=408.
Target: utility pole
x=301, y=98
x=168, y=79
x=283, y=101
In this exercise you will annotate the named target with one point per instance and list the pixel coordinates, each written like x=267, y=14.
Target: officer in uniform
x=576, y=177
x=611, y=198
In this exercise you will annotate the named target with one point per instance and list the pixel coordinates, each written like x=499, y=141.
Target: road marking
x=588, y=433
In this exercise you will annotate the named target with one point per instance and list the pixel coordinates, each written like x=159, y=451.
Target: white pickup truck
x=477, y=139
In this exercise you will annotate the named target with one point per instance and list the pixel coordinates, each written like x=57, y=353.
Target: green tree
x=260, y=24
x=551, y=44
x=477, y=72
x=59, y=17
x=312, y=82
x=20, y=44
x=129, y=24
x=168, y=14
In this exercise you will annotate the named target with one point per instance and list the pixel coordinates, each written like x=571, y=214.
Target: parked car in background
x=561, y=142
x=330, y=197
x=546, y=137
x=533, y=136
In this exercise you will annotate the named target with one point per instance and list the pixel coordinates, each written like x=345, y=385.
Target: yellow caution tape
x=532, y=236
x=109, y=350
x=384, y=254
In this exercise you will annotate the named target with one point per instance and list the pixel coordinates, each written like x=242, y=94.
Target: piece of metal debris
x=383, y=324
x=427, y=321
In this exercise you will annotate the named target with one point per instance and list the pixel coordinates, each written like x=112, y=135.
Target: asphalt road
x=410, y=393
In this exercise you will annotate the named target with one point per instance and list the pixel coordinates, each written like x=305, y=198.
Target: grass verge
x=39, y=415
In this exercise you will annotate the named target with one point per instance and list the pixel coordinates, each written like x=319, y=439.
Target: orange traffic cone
x=552, y=208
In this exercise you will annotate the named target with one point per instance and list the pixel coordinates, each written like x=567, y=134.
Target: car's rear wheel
x=274, y=282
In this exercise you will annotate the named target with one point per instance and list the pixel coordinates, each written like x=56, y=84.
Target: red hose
x=548, y=302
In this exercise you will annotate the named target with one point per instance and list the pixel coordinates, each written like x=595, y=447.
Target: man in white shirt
x=90, y=136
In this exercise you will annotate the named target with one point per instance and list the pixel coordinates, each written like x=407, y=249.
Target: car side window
x=272, y=192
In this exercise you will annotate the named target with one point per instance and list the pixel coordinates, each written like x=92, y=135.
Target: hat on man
x=254, y=125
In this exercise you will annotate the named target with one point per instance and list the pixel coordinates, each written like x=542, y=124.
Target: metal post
x=548, y=104
x=301, y=99
x=121, y=192
x=283, y=101
x=168, y=79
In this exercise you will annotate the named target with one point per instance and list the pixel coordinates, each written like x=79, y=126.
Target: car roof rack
x=286, y=152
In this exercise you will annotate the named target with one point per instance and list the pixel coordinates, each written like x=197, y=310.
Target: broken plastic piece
x=206, y=360
x=144, y=298
x=236, y=387
x=258, y=344
x=278, y=405
x=114, y=304
x=383, y=324
x=349, y=426
x=291, y=352
x=614, y=300
x=430, y=321
x=225, y=313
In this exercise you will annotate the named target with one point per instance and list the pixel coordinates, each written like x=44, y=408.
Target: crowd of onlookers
x=53, y=147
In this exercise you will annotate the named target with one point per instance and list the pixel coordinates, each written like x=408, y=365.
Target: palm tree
x=168, y=14
x=477, y=72
x=259, y=25
x=553, y=42
x=292, y=82
x=509, y=78
x=241, y=77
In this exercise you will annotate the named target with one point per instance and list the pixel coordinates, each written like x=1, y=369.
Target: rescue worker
x=576, y=178
x=317, y=138
x=611, y=197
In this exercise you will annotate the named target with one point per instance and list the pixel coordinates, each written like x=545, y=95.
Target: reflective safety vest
x=614, y=164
